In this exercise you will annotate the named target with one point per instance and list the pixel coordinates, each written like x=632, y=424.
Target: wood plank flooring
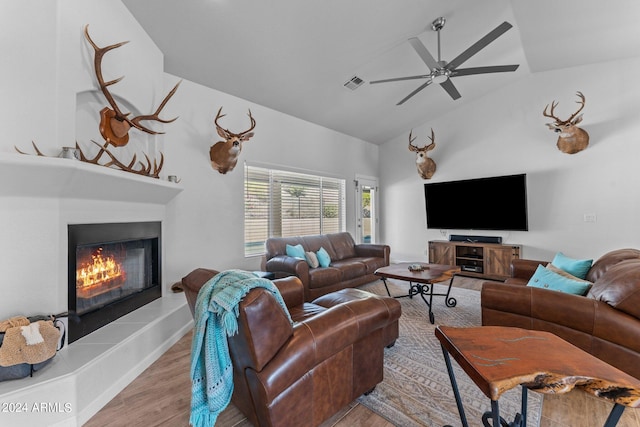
x=161, y=395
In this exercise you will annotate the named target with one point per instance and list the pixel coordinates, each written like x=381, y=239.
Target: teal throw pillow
x=323, y=257
x=547, y=279
x=296, y=251
x=575, y=267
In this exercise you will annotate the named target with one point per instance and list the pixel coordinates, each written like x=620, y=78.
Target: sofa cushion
x=305, y=311
x=314, y=243
x=575, y=267
x=620, y=287
x=350, y=268
x=547, y=279
x=610, y=259
x=321, y=277
x=343, y=245
x=371, y=263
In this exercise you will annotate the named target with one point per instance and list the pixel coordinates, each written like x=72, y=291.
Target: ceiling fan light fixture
x=440, y=76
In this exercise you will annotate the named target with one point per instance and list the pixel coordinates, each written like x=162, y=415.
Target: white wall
x=206, y=219
x=51, y=97
x=505, y=133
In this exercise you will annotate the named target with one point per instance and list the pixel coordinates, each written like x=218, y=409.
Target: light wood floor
x=160, y=396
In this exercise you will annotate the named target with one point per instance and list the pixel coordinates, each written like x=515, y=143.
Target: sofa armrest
x=291, y=289
x=523, y=269
x=283, y=265
x=373, y=250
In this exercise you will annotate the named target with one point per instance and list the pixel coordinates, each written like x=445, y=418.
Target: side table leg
x=450, y=301
x=614, y=415
x=454, y=386
x=495, y=413
x=384, y=280
x=523, y=406
x=520, y=419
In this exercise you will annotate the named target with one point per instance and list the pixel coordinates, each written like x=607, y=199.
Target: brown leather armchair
x=303, y=374
x=605, y=322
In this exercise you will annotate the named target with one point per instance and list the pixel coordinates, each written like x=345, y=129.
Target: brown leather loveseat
x=351, y=264
x=303, y=374
x=605, y=322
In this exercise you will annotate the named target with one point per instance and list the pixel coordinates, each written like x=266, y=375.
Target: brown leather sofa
x=303, y=374
x=605, y=322
x=351, y=264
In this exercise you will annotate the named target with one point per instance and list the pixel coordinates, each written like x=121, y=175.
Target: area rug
x=416, y=390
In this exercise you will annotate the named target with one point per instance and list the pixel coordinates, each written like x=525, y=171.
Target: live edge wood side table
x=499, y=358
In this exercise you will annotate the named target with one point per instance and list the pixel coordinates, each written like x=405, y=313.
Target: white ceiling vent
x=353, y=83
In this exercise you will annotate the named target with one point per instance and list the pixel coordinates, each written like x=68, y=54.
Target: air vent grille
x=353, y=83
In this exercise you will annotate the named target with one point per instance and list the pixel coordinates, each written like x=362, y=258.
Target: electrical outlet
x=590, y=217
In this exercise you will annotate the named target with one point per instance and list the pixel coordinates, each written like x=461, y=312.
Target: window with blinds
x=283, y=204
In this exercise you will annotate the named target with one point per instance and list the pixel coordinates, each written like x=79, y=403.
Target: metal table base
x=426, y=290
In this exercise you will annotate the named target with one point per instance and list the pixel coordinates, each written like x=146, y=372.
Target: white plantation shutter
x=283, y=204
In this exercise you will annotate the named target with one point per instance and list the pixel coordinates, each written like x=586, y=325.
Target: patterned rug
x=416, y=390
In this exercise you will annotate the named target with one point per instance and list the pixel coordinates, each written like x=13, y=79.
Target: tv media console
x=482, y=260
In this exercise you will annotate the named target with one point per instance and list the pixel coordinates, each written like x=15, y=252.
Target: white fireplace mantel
x=54, y=177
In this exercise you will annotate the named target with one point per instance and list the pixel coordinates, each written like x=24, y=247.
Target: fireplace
x=113, y=269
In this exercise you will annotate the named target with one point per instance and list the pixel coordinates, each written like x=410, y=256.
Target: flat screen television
x=494, y=203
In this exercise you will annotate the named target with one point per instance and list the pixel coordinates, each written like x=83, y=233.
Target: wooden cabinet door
x=497, y=261
x=442, y=253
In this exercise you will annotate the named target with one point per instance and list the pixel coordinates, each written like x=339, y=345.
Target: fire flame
x=102, y=270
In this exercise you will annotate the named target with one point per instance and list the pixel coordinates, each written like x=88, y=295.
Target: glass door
x=366, y=209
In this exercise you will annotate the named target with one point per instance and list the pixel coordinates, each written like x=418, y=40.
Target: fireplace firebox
x=113, y=269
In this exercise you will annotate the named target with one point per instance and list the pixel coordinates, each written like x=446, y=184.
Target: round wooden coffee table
x=421, y=281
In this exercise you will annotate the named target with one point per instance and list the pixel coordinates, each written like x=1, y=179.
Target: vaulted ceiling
x=296, y=55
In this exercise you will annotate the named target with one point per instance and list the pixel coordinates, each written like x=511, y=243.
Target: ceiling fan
x=441, y=71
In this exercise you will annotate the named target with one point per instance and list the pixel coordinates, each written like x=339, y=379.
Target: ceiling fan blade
x=479, y=45
x=422, y=51
x=398, y=79
x=422, y=86
x=451, y=89
x=483, y=70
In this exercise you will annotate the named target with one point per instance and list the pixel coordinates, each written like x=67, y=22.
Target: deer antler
x=144, y=169
x=433, y=141
x=581, y=102
x=411, y=146
x=428, y=147
x=554, y=104
x=226, y=133
x=551, y=114
x=116, y=132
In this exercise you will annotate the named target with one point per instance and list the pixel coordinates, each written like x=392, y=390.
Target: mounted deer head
x=572, y=139
x=114, y=124
x=224, y=154
x=426, y=166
